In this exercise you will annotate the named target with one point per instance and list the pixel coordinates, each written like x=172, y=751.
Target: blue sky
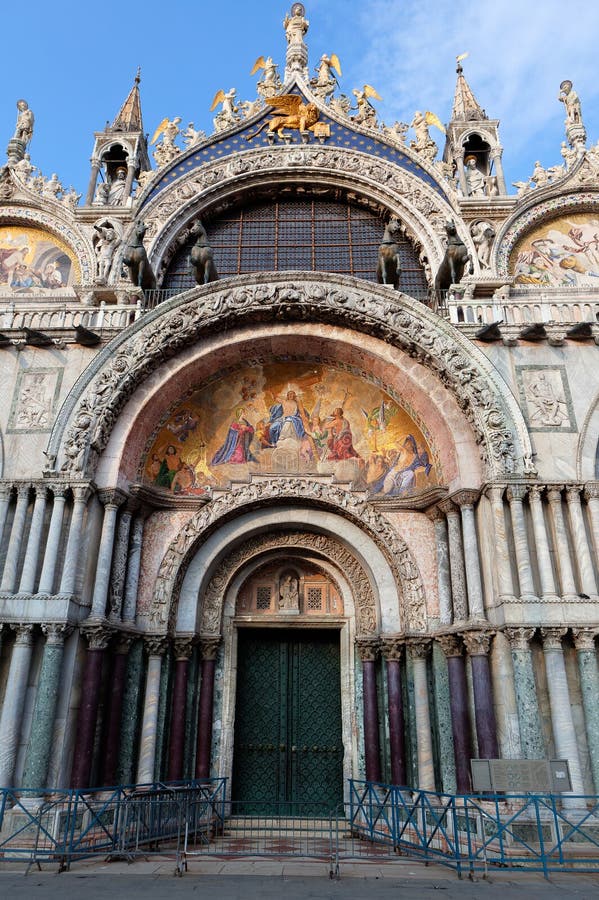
x=74, y=63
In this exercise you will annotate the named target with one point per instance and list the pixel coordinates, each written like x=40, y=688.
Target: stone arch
x=272, y=492
x=1, y=454
x=587, y=458
x=60, y=227
x=86, y=419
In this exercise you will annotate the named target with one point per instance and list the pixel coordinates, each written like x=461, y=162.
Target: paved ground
x=269, y=879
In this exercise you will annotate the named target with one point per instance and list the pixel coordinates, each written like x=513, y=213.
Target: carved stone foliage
x=429, y=208
x=494, y=414
x=366, y=614
x=172, y=569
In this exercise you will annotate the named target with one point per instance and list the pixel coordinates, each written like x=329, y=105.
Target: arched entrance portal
x=288, y=744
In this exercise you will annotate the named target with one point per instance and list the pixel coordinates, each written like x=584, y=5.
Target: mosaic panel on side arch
x=290, y=418
x=563, y=252
x=32, y=259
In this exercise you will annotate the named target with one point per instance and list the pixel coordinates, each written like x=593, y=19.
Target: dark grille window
x=306, y=235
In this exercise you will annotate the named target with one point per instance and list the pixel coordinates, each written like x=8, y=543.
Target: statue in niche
x=136, y=260
x=25, y=120
x=568, y=96
x=483, y=235
x=289, y=593
x=201, y=256
x=117, y=188
x=545, y=396
x=388, y=268
x=106, y=245
x=101, y=195
x=475, y=180
x=296, y=25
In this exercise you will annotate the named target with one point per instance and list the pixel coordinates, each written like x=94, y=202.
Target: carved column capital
x=81, y=492
x=183, y=646
x=40, y=489
x=495, y=492
x=112, y=497
x=584, y=638
x=591, y=490
x=418, y=648
x=449, y=644
x=465, y=497
x=209, y=646
x=435, y=514
x=517, y=492
x=23, y=490
x=535, y=492
x=448, y=507
x=554, y=493
x=552, y=638
x=519, y=637
x=368, y=649
x=392, y=647
x=56, y=633
x=573, y=493
x=97, y=634
x=122, y=643
x=24, y=632
x=478, y=643
x=155, y=644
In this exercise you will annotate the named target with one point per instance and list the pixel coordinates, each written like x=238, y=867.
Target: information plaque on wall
x=521, y=776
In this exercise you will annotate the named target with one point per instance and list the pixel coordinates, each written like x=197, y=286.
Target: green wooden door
x=288, y=721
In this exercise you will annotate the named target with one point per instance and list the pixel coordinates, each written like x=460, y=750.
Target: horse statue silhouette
x=201, y=256
x=388, y=269
x=136, y=260
x=456, y=262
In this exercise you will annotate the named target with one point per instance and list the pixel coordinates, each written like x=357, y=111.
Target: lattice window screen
x=263, y=597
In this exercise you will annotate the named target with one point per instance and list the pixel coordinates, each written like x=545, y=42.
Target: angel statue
x=424, y=144
x=270, y=82
x=166, y=150
x=229, y=114
x=289, y=112
x=192, y=135
x=366, y=114
x=324, y=83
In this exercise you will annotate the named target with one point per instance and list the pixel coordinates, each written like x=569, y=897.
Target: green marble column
x=442, y=713
x=586, y=651
x=37, y=759
x=531, y=733
x=161, y=763
x=191, y=714
x=131, y=710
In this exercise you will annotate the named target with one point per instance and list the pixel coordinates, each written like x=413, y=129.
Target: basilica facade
x=298, y=449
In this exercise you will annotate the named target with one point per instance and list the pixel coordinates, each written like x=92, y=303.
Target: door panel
x=288, y=719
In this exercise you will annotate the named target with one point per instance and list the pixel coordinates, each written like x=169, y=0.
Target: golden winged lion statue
x=289, y=111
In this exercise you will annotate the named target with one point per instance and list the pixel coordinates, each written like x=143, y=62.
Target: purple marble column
x=392, y=650
x=458, y=704
x=98, y=637
x=183, y=648
x=369, y=650
x=477, y=645
x=115, y=709
x=209, y=648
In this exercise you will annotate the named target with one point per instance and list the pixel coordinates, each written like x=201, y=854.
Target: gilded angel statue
x=366, y=112
x=166, y=150
x=325, y=81
x=229, y=114
x=289, y=112
x=270, y=82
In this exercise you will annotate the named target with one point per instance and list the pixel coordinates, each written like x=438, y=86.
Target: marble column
x=529, y=718
x=14, y=699
x=111, y=499
x=91, y=188
x=505, y=583
x=591, y=493
x=586, y=651
x=132, y=698
x=209, y=647
x=183, y=647
x=443, y=576
x=580, y=541
x=419, y=649
x=119, y=566
x=516, y=493
x=392, y=650
x=548, y=591
x=68, y=582
x=11, y=563
x=37, y=759
x=441, y=715
x=368, y=650
x=478, y=644
x=456, y=560
x=466, y=500
x=562, y=723
x=46, y=582
x=115, y=709
x=131, y=166
x=155, y=647
x=568, y=585
x=460, y=715
x=98, y=636
x=28, y=575
x=133, y=567
x=5, y=495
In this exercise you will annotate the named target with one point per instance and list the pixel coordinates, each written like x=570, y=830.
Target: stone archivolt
x=178, y=323
x=405, y=571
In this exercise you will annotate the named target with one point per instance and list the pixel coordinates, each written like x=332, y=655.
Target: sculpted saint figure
x=475, y=180
x=568, y=96
x=108, y=241
x=116, y=191
x=296, y=25
x=24, y=128
x=288, y=593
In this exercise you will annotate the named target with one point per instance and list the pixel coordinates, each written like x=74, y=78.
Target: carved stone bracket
x=172, y=569
x=478, y=643
x=520, y=637
x=368, y=649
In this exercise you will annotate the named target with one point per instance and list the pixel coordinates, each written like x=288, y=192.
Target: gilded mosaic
x=560, y=253
x=290, y=419
x=31, y=259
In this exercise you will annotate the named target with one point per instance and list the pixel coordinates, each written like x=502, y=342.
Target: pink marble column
x=478, y=644
x=115, y=709
x=392, y=651
x=368, y=650
x=98, y=636
x=209, y=647
x=460, y=715
x=183, y=648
